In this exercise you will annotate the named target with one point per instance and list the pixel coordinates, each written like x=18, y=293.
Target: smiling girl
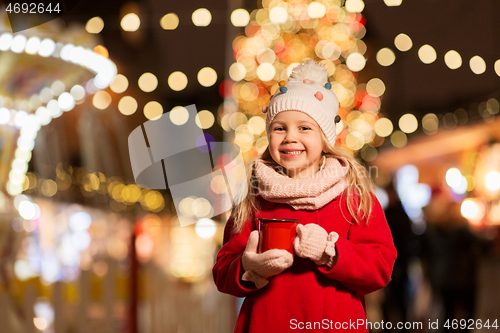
x=344, y=248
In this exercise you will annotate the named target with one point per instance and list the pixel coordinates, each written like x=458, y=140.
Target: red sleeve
x=365, y=260
x=228, y=270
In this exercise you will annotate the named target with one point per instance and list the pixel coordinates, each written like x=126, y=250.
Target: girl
x=344, y=248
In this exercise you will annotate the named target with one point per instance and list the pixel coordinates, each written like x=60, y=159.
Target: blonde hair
x=359, y=189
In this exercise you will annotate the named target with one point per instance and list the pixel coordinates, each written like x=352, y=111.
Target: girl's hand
x=315, y=243
x=259, y=266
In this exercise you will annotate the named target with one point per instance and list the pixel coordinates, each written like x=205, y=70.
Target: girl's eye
x=278, y=128
x=305, y=127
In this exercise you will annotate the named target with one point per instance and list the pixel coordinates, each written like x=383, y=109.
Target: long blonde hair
x=359, y=189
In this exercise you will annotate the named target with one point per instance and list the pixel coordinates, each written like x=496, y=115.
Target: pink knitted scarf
x=309, y=193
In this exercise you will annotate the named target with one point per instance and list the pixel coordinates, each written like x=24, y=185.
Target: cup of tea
x=277, y=233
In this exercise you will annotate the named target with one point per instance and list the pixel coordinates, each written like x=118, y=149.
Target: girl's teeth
x=294, y=152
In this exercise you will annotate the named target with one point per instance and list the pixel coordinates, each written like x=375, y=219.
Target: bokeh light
x=278, y=15
x=119, y=84
x=354, y=6
x=177, y=81
x=408, y=123
x=403, y=42
x=477, y=65
x=130, y=22
x=201, y=17
x=316, y=10
x=169, y=21
x=427, y=54
x=127, y=105
x=205, y=119
x=492, y=180
x=430, y=124
x=94, y=25
x=148, y=82
x=385, y=57
x=355, y=62
x=399, y=139
x=453, y=177
x=383, y=127
x=375, y=87
x=266, y=72
x=101, y=100
x=453, y=59
x=179, y=115
x=153, y=110
x=207, y=76
x=240, y=17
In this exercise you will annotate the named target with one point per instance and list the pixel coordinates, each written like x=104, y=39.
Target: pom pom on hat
x=307, y=90
x=310, y=70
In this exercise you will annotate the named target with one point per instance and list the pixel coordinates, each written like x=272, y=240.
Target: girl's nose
x=290, y=137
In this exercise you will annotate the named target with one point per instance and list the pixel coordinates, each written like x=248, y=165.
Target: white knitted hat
x=307, y=90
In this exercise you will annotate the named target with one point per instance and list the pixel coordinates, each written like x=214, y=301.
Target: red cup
x=277, y=233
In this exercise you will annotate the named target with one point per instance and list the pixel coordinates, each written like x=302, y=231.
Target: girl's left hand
x=315, y=243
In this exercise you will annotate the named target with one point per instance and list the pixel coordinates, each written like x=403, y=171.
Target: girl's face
x=296, y=143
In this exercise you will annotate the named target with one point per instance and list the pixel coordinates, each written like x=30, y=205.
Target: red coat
x=306, y=297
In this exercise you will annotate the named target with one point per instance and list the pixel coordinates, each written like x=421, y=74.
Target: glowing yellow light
x=316, y=10
x=392, y=3
x=355, y=140
x=477, y=65
x=179, y=115
x=49, y=187
x=130, y=22
x=94, y=25
x=148, y=82
x=207, y=76
x=354, y=6
x=471, y=209
x=383, y=127
x=403, y=42
x=452, y=59
x=266, y=72
x=385, y=57
x=101, y=100
x=177, y=81
x=430, y=123
x=408, y=123
x=427, y=54
x=237, y=71
x=58, y=88
x=256, y=125
x=101, y=50
x=266, y=55
x=492, y=180
x=169, y=21
x=355, y=62
x=40, y=323
x=375, y=87
x=278, y=15
x=201, y=207
x=399, y=139
x=119, y=84
x=497, y=67
x=240, y=17
x=153, y=110
x=453, y=177
x=201, y=17
x=127, y=105
x=205, y=119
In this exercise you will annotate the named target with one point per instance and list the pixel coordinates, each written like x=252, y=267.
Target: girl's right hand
x=259, y=266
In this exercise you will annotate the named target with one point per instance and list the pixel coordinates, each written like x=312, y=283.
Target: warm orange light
x=101, y=50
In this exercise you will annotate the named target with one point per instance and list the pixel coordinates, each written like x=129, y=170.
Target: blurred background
x=84, y=249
